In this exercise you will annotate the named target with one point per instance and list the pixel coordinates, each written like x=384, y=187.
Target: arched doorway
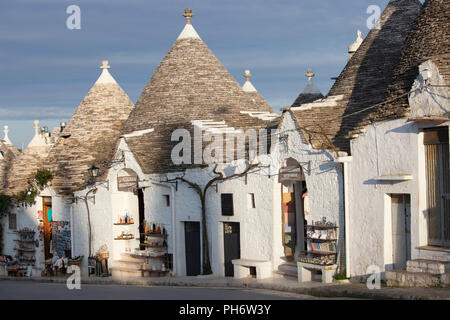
x=293, y=208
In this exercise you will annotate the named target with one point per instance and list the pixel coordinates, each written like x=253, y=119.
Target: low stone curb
x=350, y=290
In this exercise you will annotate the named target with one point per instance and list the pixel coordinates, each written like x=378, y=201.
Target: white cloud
x=28, y=112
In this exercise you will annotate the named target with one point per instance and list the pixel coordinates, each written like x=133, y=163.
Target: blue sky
x=47, y=69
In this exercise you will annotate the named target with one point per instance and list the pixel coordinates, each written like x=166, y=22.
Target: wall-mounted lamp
x=94, y=172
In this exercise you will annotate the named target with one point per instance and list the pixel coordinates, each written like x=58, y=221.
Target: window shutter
x=227, y=204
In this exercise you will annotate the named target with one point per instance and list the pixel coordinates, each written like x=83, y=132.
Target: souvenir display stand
x=321, y=243
x=157, y=261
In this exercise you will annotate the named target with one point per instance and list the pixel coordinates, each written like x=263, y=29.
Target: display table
x=305, y=271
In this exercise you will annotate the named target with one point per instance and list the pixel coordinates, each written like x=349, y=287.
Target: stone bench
x=305, y=272
x=242, y=268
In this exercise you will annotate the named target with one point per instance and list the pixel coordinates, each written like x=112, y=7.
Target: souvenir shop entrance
x=294, y=200
x=47, y=219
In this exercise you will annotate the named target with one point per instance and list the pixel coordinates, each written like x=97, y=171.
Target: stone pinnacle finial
x=105, y=65
x=310, y=74
x=6, y=138
x=188, y=15
x=247, y=75
x=36, y=127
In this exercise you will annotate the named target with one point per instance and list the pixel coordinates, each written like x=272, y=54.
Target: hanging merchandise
x=61, y=238
x=49, y=215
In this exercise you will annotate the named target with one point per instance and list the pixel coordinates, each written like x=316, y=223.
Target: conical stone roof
x=309, y=93
x=23, y=166
x=362, y=83
x=429, y=39
x=7, y=157
x=91, y=135
x=189, y=84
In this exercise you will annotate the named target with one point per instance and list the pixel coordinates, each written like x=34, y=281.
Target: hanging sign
x=127, y=183
x=291, y=174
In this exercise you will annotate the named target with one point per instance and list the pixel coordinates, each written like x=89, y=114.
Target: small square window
x=251, y=200
x=167, y=200
x=227, y=204
x=12, y=221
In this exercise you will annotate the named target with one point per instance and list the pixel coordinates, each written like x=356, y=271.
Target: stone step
x=124, y=272
x=127, y=264
x=131, y=257
x=290, y=275
x=428, y=266
x=404, y=278
x=288, y=267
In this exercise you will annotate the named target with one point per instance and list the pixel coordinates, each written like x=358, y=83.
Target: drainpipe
x=72, y=245
x=174, y=220
x=344, y=161
x=89, y=219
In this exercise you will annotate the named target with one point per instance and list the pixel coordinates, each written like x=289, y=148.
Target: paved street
x=18, y=290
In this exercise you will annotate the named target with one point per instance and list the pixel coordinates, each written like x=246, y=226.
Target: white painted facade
x=323, y=176
x=383, y=159
x=27, y=217
x=389, y=158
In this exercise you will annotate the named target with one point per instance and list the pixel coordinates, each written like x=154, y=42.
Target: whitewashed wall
x=27, y=217
x=258, y=226
x=324, y=180
x=387, y=148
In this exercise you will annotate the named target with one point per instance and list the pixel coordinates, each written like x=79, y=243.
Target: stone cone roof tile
x=362, y=83
x=91, y=136
x=189, y=84
x=429, y=39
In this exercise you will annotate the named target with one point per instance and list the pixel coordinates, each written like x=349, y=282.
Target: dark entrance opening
x=232, y=246
x=48, y=218
x=140, y=194
x=192, y=247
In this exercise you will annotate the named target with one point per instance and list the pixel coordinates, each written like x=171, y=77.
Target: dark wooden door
x=192, y=244
x=232, y=246
x=438, y=186
x=141, y=215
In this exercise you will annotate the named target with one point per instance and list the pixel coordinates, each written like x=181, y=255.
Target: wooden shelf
x=308, y=261
x=124, y=238
x=153, y=246
x=25, y=249
x=123, y=224
x=154, y=234
x=150, y=270
x=320, y=253
x=25, y=231
x=321, y=240
x=147, y=256
x=321, y=227
x=28, y=259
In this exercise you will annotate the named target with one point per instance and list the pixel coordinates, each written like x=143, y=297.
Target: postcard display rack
x=321, y=242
